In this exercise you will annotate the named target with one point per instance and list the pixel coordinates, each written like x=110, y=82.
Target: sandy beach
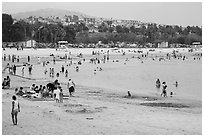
x=100, y=105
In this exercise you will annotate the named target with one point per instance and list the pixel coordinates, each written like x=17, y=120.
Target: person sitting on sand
x=16, y=90
x=32, y=88
x=20, y=92
x=15, y=109
x=36, y=89
x=171, y=94
x=71, y=86
x=77, y=68
x=129, y=95
x=164, y=86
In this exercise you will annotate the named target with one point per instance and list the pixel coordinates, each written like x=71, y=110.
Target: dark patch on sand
x=147, y=98
x=40, y=99
x=81, y=109
x=95, y=92
x=73, y=105
x=173, y=105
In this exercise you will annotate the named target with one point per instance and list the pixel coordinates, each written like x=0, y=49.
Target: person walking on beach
x=28, y=58
x=71, y=86
x=164, y=86
x=14, y=69
x=15, y=109
x=62, y=69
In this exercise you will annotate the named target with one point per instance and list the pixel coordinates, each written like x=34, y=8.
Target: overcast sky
x=173, y=13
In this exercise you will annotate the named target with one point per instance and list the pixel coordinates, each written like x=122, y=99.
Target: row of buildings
x=90, y=22
x=61, y=44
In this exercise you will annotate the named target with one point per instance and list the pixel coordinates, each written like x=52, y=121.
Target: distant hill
x=48, y=13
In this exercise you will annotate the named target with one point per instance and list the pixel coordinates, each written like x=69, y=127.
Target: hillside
x=47, y=13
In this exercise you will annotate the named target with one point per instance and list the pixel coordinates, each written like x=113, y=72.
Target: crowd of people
x=54, y=89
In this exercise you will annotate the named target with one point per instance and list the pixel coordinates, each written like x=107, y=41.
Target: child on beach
x=15, y=109
x=57, y=94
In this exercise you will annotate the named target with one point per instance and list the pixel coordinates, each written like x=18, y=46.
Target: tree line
x=79, y=32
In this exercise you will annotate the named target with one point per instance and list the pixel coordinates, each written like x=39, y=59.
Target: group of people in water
x=164, y=87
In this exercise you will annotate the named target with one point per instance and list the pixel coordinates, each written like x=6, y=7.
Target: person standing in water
x=15, y=109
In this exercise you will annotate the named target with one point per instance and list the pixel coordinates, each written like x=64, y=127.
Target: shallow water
x=134, y=76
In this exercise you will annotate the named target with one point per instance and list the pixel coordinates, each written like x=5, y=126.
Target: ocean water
x=132, y=75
